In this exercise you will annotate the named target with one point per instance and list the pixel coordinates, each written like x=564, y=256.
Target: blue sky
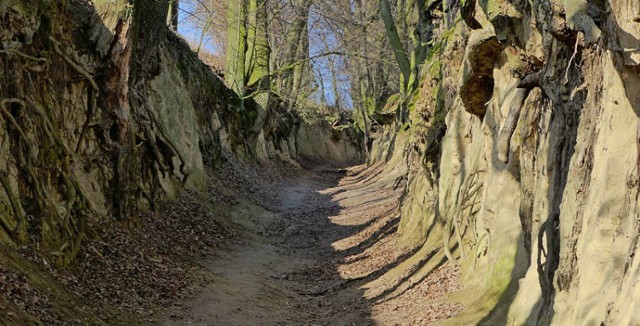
x=188, y=29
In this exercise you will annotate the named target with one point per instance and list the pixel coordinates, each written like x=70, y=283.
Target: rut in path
x=323, y=253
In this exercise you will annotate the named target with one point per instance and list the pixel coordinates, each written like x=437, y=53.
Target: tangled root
x=506, y=133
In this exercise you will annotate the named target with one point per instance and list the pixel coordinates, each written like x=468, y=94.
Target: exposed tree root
x=91, y=105
x=92, y=92
x=75, y=66
x=504, y=138
x=10, y=117
x=19, y=232
x=54, y=215
x=481, y=245
x=456, y=222
x=447, y=240
x=26, y=56
x=48, y=129
x=579, y=41
x=155, y=151
x=165, y=139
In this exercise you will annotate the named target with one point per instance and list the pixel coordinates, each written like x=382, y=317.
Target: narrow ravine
x=318, y=254
x=319, y=162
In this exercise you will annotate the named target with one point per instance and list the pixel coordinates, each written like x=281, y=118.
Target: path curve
x=310, y=257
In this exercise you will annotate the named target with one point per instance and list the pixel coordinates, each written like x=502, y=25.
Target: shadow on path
x=310, y=256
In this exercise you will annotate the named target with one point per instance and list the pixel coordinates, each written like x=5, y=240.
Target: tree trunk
x=257, y=60
x=149, y=28
x=172, y=18
x=323, y=97
x=258, y=49
x=135, y=65
x=364, y=77
x=334, y=80
x=292, y=48
x=236, y=45
x=301, y=68
x=395, y=42
x=365, y=123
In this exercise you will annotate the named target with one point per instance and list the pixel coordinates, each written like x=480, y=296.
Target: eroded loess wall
x=336, y=145
x=530, y=179
x=79, y=144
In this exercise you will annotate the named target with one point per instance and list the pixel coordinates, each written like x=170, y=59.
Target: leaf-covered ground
x=323, y=251
x=126, y=273
x=261, y=246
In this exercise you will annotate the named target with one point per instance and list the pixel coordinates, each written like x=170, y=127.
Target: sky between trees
x=346, y=43
x=319, y=55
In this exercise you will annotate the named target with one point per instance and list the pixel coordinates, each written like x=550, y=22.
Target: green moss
x=111, y=11
x=500, y=276
x=578, y=18
x=391, y=105
x=413, y=98
x=52, y=156
x=248, y=115
x=490, y=7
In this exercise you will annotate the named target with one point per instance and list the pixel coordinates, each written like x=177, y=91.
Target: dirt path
x=307, y=257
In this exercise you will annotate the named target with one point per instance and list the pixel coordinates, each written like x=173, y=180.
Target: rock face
x=550, y=236
x=320, y=142
x=77, y=144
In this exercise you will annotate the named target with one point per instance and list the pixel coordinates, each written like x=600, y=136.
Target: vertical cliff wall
x=522, y=158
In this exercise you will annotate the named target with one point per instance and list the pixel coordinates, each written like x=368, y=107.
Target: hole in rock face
x=15, y=109
x=477, y=87
x=114, y=132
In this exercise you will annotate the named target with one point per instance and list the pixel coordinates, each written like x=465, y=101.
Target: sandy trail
x=307, y=258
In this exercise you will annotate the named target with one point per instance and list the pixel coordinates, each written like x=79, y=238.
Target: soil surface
x=318, y=247
x=262, y=246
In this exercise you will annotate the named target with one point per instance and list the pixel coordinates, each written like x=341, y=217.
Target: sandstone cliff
x=522, y=160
